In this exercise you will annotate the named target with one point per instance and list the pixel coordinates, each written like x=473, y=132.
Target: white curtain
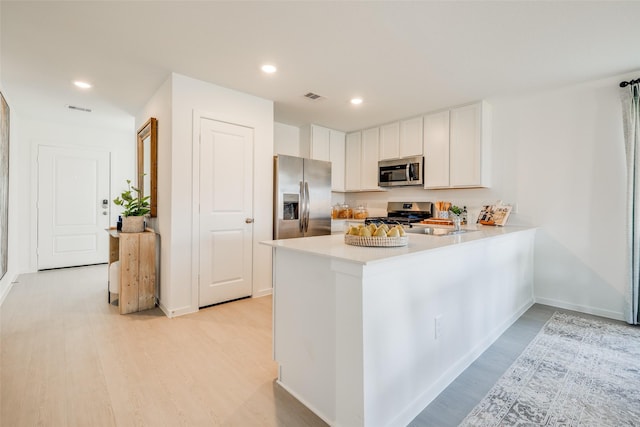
x=631, y=118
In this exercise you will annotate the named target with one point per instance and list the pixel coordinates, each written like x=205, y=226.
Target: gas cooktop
x=405, y=213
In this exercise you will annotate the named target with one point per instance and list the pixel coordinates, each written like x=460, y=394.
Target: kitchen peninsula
x=369, y=336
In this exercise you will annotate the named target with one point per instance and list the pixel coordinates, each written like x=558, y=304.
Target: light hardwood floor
x=67, y=358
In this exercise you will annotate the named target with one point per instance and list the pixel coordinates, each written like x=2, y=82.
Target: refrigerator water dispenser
x=290, y=206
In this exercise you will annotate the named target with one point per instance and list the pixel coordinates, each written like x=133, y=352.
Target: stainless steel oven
x=397, y=172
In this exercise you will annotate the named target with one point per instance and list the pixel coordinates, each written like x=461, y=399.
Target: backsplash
x=473, y=198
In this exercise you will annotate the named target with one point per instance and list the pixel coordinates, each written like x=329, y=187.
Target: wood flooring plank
x=68, y=358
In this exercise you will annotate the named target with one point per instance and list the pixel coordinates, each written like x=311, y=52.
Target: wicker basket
x=373, y=241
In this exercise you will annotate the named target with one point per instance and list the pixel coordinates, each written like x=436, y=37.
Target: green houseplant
x=136, y=207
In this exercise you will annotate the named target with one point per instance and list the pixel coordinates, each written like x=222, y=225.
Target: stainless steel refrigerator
x=302, y=197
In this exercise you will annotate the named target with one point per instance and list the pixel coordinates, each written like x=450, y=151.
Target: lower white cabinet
x=457, y=147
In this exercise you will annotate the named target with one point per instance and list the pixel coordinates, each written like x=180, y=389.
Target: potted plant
x=136, y=207
x=455, y=213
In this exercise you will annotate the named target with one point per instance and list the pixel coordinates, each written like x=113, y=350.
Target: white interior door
x=226, y=210
x=73, y=207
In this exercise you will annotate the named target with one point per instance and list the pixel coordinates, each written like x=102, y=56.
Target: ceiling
x=402, y=58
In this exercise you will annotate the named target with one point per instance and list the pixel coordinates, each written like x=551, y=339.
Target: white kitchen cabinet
x=370, y=153
x=457, y=146
x=469, y=149
x=353, y=159
x=361, y=161
x=401, y=139
x=411, y=137
x=314, y=142
x=436, y=150
x=337, y=157
x=390, y=141
x=321, y=143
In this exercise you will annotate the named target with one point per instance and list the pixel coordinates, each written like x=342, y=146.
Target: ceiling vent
x=313, y=96
x=73, y=107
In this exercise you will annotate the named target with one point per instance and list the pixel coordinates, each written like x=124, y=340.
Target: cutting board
x=437, y=221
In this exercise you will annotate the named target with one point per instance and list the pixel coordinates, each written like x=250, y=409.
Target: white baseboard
x=176, y=312
x=422, y=401
x=262, y=293
x=581, y=308
x=4, y=294
x=307, y=404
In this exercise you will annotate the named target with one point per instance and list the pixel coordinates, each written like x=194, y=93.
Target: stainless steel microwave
x=397, y=172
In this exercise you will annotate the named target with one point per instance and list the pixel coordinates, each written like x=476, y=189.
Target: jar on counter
x=335, y=211
x=345, y=212
x=360, y=212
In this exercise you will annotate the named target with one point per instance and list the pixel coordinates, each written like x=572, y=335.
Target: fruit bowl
x=374, y=241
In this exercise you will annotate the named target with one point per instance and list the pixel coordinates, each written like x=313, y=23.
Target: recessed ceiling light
x=269, y=69
x=82, y=85
x=356, y=101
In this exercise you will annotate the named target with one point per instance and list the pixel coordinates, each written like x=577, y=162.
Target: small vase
x=133, y=224
x=456, y=220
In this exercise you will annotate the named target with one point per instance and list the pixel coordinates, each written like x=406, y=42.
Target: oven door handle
x=408, y=172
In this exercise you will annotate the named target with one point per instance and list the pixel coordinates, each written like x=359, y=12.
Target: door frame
x=198, y=115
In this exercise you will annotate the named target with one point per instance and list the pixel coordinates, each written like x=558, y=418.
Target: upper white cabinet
x=390, y=141
x=337, y=157
x=361, y=161
x=401, y=139
x=314, y=142
x=463, y=136
x=321, y=143
x=353, y=159
x=470, y=139
x=436, y=150
x=370, y=153
x=411, y=137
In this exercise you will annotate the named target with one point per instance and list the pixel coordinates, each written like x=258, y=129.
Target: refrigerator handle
x=302, y=213
x=308, y=207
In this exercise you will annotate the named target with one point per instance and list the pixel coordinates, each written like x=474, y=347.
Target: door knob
x=248, y=220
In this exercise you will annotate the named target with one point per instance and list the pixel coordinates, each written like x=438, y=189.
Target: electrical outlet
x=437, y=327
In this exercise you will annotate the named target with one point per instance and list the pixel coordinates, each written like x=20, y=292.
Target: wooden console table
x=137, y=255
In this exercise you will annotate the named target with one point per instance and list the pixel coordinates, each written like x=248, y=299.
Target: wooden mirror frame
x=149, y=130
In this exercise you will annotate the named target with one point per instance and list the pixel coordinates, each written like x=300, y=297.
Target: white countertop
x=333, y=246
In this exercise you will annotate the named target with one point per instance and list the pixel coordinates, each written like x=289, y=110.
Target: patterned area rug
x=576, y=372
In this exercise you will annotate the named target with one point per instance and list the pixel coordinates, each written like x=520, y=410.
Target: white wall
x=120, y=143
x=558, y=155
x=27, y=133
x=286, y=139
x=159, y=106
x=179, y=287
x=19, y=229
x=568, y=174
